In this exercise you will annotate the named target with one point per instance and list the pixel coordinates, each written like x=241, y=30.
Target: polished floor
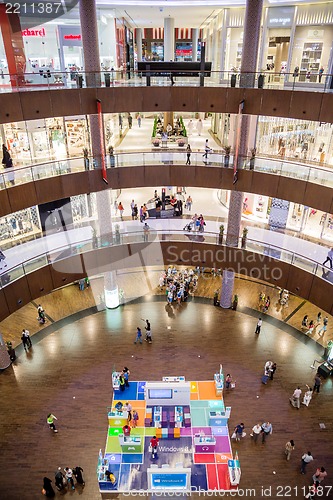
x=68, y=372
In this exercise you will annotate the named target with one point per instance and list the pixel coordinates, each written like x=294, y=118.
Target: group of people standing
x=62, y=480
x=309, y=327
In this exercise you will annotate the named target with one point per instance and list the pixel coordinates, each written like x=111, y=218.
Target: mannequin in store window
x=320, y=73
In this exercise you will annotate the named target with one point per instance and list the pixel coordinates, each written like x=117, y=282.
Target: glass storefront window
x=311, y=53
x=234, y=48
x=77, y=135
x=19, y=225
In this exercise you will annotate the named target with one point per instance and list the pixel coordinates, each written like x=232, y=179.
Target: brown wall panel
x=273, y=104
x=23, y=105
x=74, y=184
x=66, y=103
x=265, y=184
x=207, y=177
x=130, y=174
x=5, y=207
x=40, y=282
x=306, y=107
x=17, y=294
x=299, y=282
x=317, y=196
x=49, y=189
x=253, y=101
x=10, y=108
x=321, y=293
x=4, y=311
x=36, y=105
x=67, y=270
x=22, y=196
x=291, y=189
x=96, y=182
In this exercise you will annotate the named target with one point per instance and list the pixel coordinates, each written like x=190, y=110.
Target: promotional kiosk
x=190, y=422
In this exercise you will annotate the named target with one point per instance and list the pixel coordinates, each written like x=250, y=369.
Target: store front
x=21, y=226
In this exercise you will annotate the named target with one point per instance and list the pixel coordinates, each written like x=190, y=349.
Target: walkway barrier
x=116, y=239
x=50, y=79
x=287, y=168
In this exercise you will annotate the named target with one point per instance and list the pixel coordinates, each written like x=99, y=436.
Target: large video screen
x=160, y=393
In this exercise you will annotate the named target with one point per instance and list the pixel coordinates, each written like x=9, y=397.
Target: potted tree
x=86, y=158
x=261, y=79
x=227, y=150
x=252, y=159
x=117, y=233
x=235, y=303
x=221, y=234
x=244, y=237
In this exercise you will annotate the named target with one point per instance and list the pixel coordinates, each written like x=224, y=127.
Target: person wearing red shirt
x=153, y=444
x=126, y=430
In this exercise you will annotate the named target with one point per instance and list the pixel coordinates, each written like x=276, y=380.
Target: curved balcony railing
x=286, y=168
x=55, y=80
x=64, y=252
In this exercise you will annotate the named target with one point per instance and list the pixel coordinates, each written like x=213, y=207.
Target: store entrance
x=73, y=58
x=277, y=56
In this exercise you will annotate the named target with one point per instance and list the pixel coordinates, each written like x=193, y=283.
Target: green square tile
x=150, y=431
x=112, y=445
x=199, y=417
x=138, y=431
x=198, y=404
x=114, y=431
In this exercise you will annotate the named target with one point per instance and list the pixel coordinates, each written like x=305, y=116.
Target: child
x=311, y=328
x=138, y=335
x=135, y=418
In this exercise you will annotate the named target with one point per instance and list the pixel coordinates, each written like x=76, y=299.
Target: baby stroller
x=189, y=226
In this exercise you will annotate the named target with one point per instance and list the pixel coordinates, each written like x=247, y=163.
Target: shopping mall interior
x=167, y=169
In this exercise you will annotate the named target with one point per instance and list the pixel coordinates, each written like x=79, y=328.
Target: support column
x=253, y=15
x=89, y=33
x=111, y=292
x=169, y=39
x=138, y=33
x=13, y=45
x=227, y=289
x=4, y=356
x=195, y=38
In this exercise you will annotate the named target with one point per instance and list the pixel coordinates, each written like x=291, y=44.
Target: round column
x=89, y=33
x=169, y=39
x=138, y=33
x=234, y=218
x=4, y=356
x=111, y=292
x=228, y=280
x=195, y=38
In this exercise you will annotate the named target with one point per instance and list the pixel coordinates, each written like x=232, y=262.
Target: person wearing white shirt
x=306, y=459
x=295, y=399
x=307, y=396
x=256, y=430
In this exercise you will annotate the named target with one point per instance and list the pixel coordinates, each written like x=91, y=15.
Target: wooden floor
x=192, y=340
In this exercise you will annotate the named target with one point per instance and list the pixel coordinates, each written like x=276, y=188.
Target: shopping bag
x=233, y=385
x=243, y=434
x=150, y=449
x=233, y=435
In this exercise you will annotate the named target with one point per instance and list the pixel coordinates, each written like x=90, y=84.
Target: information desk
x=204, y=444
x=117, y=418
x=234, y=471
x=130, y=444
x=169, y=478
x=115, y=381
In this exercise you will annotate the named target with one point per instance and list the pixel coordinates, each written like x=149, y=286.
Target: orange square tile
x=194, y=395
x=207, y=391
x=222, y=458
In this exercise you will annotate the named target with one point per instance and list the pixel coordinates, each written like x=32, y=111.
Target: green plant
x=227, y=150
x=235, y=298
x=181, y=121
x=245, y=231
x=221, y=229
x=154, y=127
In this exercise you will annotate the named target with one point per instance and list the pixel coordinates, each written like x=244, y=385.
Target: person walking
x=258, y=327
x=130, y=120
x=26, y=333
x=47, y=490
x=146, y=229
x=199, y=126
x=138, y=335
x=25, y=342
x=121, y=382
x=324, y=327
x=139, y=120
x=311, y=328
x=50, y=420
x=188, y=155
x=148, y=332
x=121, y=210
x=306, y=459
x=59, y=479
x=69, y=477
x=319, y=475
x=41, y=314
x=228, y=380
x=188, y=203
x=256, y=430
x=77, y=471
x=329, y=258
x=295, y=399
x=239, y=431
x=128, y=408
x=317, y=383
x=207, y=150
x=273, y=370
x=307, y=396
x=153, y=446
x=290, y=446
x=126, y=374
x=266, y=429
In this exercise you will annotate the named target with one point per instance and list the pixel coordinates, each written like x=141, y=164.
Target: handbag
x=232, y=385
x=233, y=435
x=150, y=449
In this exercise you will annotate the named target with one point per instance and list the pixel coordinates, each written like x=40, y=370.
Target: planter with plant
x=244, y=237
x=261, y=79
x=235, y=303
x=117, y=233
x=252, y=159
x=221, y=233
x=227, y=151
x=156, y=142
x=181, y=142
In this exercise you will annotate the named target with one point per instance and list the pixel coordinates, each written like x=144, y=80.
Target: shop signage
x=40, y=32
x=280, y=17
x=72, y=37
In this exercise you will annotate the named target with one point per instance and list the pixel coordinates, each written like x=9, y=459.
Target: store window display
x=19, y=225
x=234, y=48
x=77, y=135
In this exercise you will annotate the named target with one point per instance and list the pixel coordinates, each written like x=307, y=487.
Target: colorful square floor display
x=169, y=436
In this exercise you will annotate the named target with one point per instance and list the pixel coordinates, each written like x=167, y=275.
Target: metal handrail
x=283, y=167
x=51, y=79
x=116, y=239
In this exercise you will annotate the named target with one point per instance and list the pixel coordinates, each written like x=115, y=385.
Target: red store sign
x=72, y=37
x=40, y=32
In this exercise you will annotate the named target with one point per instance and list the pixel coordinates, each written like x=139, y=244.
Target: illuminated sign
x=40, y=32
x=72, y=37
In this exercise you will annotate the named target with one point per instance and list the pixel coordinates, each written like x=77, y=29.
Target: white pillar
x=138, y=32
x=111, y=292
x=169, y=39
x=195, y=38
